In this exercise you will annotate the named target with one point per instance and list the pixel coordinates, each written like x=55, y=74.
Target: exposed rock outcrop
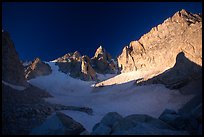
x=76, y=66
x=183, y=72
x=12, y=69
x=188, y=121
x=158, y=49
x=137, y=124
x=102, y=61
x=59, y=124
x=37, y=68
x=88, y=72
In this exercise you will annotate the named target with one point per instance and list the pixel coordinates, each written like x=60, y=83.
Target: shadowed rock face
x=12, y=69
x=136, y=124
x=63, y=125
x=83, y=67
x=158, y=48
x=37, y=68
x=183, y=72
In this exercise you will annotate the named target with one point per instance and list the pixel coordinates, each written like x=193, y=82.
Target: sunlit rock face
x=102, y=61
x=76, y=66
x=85, y=68
x=37, y=68
x=157, y=50
x=88, y=73
x=70, y=64
x=12, y=69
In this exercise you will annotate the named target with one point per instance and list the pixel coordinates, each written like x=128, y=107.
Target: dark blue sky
x=50, y=30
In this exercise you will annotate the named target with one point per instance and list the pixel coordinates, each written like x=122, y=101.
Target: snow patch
x=14, y=86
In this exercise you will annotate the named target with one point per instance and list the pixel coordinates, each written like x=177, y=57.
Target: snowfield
x=116, y=96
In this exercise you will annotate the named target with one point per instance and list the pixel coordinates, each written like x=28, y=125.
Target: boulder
x=106, y=123
x=132, y=120
x=111, y=118
x=59, y=124
x=181, y=121
x=148, y=129
x=101, y=129
x=37, y=68
x=173, y=119
x=137, y=124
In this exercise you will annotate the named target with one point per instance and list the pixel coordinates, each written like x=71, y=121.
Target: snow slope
x=124, y=98
x=20, y=88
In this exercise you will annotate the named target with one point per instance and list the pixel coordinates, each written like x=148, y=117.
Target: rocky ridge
x=83, y=67
x=158, y=48
x=12, y=69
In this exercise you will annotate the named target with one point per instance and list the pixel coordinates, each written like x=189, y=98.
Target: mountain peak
x=37, y=59
x=150, y=50
x=100, y=47
x=184, y=16
x=100, y=50
x=183, y=11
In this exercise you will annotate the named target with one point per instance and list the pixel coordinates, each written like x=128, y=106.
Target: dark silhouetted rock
x=111, y=118
x=101, y=129
x=59, y=124
x=106, y=123
x=12, y=69
x=136, y=124
x=148, y=129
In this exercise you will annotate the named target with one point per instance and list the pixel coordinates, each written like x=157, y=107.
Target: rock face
x=12, y=69
x=137, y=124
x=102, y=61
x=88, y=72
x=157, y=50
x=183, y=121
x=76, y=66
x=59, y=124
x=70, y=63
x=83, y=67
x=37, y=68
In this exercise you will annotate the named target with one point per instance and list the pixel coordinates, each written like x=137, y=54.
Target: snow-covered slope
x=14, y=86
x=130, y=76
x=124, y=98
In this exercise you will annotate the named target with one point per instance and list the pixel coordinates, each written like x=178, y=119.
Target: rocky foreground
x=24, y=110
